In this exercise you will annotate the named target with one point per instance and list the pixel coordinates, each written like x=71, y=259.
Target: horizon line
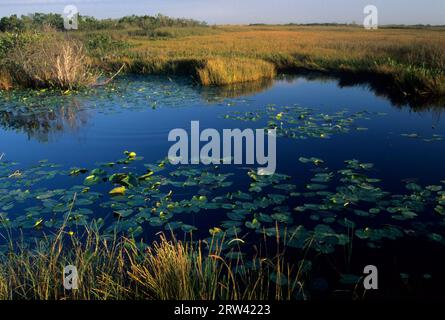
x=352, y=23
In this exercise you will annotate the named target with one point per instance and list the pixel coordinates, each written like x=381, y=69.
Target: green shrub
x=102, y=45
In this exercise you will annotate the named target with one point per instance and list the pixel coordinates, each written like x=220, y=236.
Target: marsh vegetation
x=116, y=267
x=410, y=60
x=137, y=227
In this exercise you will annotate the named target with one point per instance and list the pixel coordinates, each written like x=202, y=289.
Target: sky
x=246, y=11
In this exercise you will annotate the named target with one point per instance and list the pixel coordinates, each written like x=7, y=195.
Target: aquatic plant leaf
x=118, y=191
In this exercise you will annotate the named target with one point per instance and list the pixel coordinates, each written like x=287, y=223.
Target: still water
x=386, y=199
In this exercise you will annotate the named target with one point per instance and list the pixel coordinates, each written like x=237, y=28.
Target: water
x=100, y=133
x=405, y=144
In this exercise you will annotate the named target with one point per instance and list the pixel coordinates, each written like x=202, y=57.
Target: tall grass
x=120, y=268
x=218, y=71
x=235, y=90
x=5, y=80
x=49, y=62
x=412, y=60
x=409, y=60
x=224, y=71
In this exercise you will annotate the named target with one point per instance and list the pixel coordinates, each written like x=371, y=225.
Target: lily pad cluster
x=299, y=122
x=416, y=136
x=42, y=114
x=325, y=212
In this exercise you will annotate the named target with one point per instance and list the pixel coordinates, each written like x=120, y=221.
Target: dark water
x=85, y=133
x=406, y=145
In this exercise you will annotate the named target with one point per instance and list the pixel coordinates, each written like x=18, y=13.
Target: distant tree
x=11, y=24
x=86, y=23
x=47, y=19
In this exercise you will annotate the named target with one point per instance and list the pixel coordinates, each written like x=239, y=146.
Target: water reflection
x=380, y=87
x=434, y=106
x=44, y=118
x=218, y=94
x=44, y=123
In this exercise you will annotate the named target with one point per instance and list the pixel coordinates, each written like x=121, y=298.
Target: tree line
x=34, y=21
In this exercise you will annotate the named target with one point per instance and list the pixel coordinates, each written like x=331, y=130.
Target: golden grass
x=317, y=42
x=224, y=71
x=114, y=267
x=5, y=80
x=219, y=71
x=409, y=60
x=412, y=59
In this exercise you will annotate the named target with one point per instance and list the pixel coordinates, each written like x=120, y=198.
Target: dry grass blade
x=118, y=268
x=50, y=62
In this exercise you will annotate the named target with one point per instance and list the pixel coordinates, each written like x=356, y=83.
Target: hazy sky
x=246, y=11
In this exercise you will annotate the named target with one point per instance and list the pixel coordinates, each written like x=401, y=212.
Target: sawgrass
x=225, y=71
x=409, y=60
x=412, y=60
x=117, y=268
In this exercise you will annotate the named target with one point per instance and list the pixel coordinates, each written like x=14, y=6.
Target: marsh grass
x=115, y=267
x=49, y=62
x=220, y=71
x=5, y=80
x=225, y=71
x=407, y=60
x=410, y=60
x=173, y=32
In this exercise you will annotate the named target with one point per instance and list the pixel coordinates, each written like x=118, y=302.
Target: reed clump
x=49, y=62
x=219, y=71
x=117, y=268
x=409, y=59
x=224, y=71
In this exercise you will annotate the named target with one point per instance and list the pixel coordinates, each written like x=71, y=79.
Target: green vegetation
x=41, y=21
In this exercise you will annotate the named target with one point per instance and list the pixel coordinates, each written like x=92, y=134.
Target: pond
x=359, y=175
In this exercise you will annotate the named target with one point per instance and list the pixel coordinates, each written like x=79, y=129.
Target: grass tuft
x=225, y=71
x=50, y=62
